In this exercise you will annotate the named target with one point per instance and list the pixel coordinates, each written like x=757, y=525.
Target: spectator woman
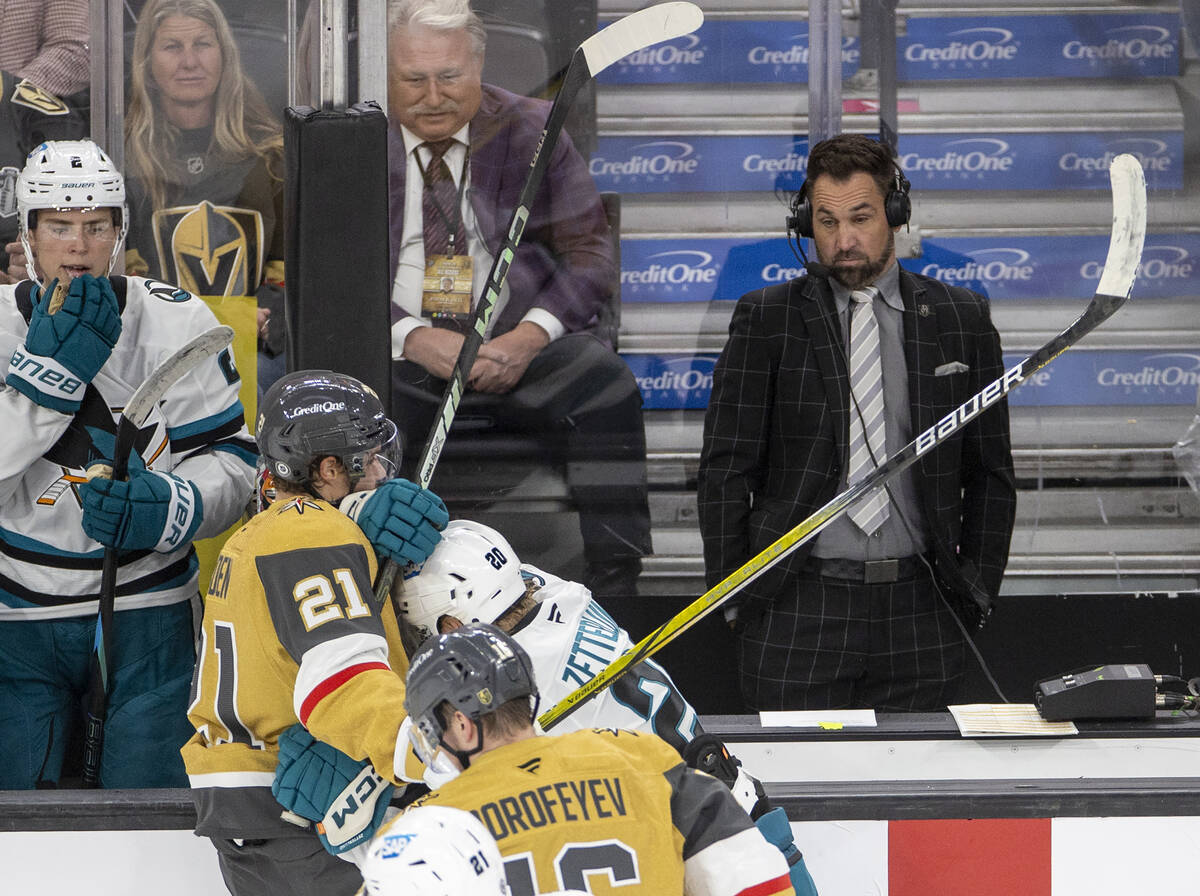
x=205, y=160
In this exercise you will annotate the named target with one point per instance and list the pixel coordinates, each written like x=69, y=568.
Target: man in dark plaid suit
x=858, y=617
x=545, y=365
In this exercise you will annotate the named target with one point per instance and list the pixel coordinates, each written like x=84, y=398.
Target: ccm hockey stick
x=144, y=399
x=624, y=36
x=1120, y=269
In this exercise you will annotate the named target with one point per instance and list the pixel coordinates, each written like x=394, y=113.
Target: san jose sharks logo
x=211, y=250
x=91, y=438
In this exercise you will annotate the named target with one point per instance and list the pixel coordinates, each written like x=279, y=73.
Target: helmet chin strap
x=464, y=756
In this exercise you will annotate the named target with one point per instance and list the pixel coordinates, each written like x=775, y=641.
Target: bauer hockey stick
x=1120, y=269
x=144, y=399
x=624, y=36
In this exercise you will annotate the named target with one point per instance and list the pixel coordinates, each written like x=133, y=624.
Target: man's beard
x=860, y=275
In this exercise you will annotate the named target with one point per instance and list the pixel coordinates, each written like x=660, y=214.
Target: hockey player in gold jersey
x=292, y=632
x=599, y=810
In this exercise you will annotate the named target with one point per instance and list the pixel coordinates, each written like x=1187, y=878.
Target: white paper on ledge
x=819, y=718
x=1006, y=719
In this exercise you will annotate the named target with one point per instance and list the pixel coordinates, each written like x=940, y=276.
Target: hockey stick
x=144, y=399
x=1120, y=269
x=624, y=36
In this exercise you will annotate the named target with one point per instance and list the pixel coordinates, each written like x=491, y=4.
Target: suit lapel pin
x=923, y=310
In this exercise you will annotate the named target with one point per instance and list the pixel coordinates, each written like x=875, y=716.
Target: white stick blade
x=186, y=358
x=637, y=30
x=1128, y=228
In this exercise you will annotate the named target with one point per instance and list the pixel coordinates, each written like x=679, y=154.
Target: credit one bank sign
x=932, y=48
x=1052, y=160
x=1078, y=378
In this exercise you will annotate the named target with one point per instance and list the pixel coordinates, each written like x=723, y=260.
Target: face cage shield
x=377, y=464
x=426, y=736
x=23, y=236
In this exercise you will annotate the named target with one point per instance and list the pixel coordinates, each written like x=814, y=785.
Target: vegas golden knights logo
x=210, y=250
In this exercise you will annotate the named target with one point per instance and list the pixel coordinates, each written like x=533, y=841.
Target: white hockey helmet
x=69, y=175
x=435, y=851
x=473, y=574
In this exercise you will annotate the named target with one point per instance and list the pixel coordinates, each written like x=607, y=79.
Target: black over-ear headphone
x=896, y=206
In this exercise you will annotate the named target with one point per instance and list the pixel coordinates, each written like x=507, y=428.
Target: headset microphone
x=816, y=269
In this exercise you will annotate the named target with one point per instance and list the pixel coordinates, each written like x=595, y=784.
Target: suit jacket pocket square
x=950, y=367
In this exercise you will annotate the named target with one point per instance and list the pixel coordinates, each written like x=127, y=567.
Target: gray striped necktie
x=867, y=446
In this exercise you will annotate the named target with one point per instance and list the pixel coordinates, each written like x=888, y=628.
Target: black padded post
x=336, y=208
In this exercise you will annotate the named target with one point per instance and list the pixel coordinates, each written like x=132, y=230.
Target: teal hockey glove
x=63, y=351
x=401, y=520
x=345, y=797
x=149, y=511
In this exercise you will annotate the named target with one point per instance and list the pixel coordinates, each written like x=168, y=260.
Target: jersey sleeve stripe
x=239, y=448
x=331, y=684
x=779, y=885
x=189, y=438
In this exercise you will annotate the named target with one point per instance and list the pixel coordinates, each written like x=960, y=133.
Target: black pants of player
x=584, y=403
x=298, y=866
x=830, y=643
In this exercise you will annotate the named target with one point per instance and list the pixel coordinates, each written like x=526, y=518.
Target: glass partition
x=1004, y=119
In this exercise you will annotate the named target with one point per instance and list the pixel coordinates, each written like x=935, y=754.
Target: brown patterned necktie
x=441, y=214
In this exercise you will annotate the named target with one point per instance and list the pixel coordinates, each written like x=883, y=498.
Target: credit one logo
x=661, y=158
x=680, y=267
x=1168, y=370
x=973, y=155
x=968, y=45
x=1159, y=263
x=669, y=54
x=1135, y=43
x=992, y=265
x=674, y=382
x=757, y=163
x=1152, y=154
x=797, y=53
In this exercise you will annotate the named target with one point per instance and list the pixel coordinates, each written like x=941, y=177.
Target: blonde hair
x=243, y=125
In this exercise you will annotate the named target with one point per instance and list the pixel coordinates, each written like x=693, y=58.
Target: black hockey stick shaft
x=137, y=409
x=1120, y=269
x=639, y=29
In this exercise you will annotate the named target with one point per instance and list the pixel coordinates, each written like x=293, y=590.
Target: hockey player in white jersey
x=71, y=370
x=474, y=575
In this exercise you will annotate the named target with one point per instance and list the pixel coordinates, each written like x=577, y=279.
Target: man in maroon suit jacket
x=541, y=368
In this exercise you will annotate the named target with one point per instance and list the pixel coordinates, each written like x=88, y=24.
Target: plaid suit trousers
x=836, y=644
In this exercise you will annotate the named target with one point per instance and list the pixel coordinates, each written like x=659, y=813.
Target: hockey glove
x=345, y=796
x=401, y=520
x=65, y=350
x=709, y=754
x=777, y=831
x=149, y=511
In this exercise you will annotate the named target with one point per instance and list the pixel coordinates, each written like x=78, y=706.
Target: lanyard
x=452, y=228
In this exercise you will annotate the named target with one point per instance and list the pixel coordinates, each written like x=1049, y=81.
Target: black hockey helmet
x=311, y=414
x=476, y=669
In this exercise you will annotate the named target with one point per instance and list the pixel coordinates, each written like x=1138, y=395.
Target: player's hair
x=508, y=620
x=438, y=15
x=243, y=126
x=843, y=155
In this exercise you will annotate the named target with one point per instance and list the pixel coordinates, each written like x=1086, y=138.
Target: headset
x=897, y=206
